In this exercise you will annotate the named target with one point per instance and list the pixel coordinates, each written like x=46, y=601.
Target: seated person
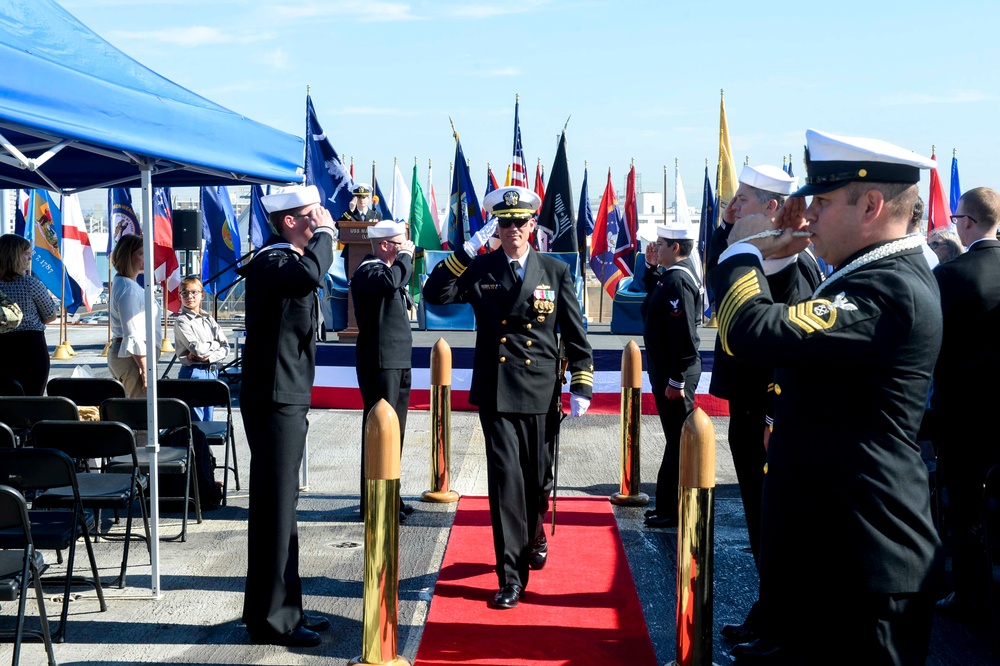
x=200, y=341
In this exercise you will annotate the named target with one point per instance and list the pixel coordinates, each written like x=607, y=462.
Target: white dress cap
x=387, y=229
x=768, y=178
x=295, y=196
x=511, y=202
x=677, y=231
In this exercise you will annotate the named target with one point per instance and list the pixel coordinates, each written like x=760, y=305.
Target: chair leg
x=225, y=473
x=42, y=615
x=21, y=604
x=236, y=465
x=93, y=564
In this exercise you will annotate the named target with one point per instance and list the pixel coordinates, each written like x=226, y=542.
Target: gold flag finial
x=454, y=131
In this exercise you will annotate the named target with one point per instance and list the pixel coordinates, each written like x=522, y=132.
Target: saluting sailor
x=520, y=299
x=360, y=211
x=847, y=541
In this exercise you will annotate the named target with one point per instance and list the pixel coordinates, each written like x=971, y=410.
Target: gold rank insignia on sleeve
x=454, y=265
x=742, y=290
x=582, y=377
x=812, y=316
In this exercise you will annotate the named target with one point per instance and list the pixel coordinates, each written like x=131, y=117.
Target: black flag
x=557, y=215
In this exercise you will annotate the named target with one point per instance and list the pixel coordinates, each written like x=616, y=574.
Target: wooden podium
x=354, y=236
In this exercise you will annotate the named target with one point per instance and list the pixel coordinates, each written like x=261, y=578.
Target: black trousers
x=393, y=386
x=276, y=434
x=672, y=414
x=516, y=466
x=746, y=443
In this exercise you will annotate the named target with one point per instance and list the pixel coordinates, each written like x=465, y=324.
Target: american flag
x=519, y=169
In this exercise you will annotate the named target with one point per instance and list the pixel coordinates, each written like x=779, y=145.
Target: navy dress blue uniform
x=670, y=313
x=279, y=365
x=970, y=304
x=385, y=342
x=516, y=380
x=845, y=498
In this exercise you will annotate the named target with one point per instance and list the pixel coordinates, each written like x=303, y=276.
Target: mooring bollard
x=695, y=537
x=381, y=578
x=440, y=491
x=631, y=420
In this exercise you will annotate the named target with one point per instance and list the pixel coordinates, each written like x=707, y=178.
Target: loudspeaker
x=187, y=230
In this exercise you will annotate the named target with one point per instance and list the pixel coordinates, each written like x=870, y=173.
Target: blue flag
x=260, y=228
x=956, y=188
x=380, y=203
x=465, y=217
x=46, y=261
x=222, y=240
x=324, y=168
x=709, y=221
x=584, y=220
x=121, y=216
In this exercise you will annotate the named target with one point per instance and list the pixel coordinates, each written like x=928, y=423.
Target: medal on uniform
x=545, y=298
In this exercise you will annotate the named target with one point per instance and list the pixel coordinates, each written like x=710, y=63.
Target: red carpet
x=581, y=609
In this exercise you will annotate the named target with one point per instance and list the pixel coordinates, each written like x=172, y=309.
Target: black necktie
x=514, y=266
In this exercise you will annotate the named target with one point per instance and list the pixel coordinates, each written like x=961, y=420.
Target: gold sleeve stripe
x=804, y=315
x=582, y=377
x=739, y=293
x=454, y=265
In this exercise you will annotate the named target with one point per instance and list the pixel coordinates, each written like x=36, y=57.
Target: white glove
x=578, y=405
x=480, y=238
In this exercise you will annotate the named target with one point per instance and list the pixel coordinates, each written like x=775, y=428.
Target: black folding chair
x=20, y=566
x=8, y=440
x=86, y=391
x=22, y=412
x=172, y=415
x=31, y=470
x=103, y=440
x=209, y=393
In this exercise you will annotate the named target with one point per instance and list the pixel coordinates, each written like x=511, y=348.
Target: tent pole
x=152, y=428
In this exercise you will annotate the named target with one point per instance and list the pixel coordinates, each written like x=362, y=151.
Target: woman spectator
x=126, y=310
x=24, y=350
x=946, y=244
x=201, y=342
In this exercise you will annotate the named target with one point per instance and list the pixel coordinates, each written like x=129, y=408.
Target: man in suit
x=847, y=541
x=523, y=302
x=970, y=304
x=670, y=314
x=744, y=383
x=385, y=342
x=279, y=364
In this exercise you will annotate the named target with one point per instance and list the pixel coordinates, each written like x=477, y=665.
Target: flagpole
x=165, y=347
x=107, y=347
x=664, y=194
x=61, y=352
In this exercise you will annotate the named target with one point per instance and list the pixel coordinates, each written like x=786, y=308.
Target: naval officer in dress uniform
x=670, y=314
x=361, y=211
x=520, y=299
x=279, y=364
x=847, y=542
x=385, y=341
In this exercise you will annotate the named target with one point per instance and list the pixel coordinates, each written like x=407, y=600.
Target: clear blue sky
x=640, y=79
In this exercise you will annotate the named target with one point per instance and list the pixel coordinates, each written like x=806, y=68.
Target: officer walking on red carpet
x=523, y=302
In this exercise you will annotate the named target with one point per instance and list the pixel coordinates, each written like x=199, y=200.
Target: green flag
x=423, y=232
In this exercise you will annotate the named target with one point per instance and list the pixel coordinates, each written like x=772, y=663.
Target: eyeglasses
x=507, y=222
x=396, y=243
x=188, y=292
x=956, y=218
x=309, y=214
x=934, y=245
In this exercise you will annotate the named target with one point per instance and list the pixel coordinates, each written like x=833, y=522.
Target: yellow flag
x=726, y=180
x=506, y=183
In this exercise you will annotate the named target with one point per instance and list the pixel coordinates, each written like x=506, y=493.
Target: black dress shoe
x=660, y=521
x=649, y=513
x=738, y=633
x=402, y=516
x=314, y=622
x=760, y=651
x=405, y=508
x=539, y=553
x=299, y=637
x=507, y=597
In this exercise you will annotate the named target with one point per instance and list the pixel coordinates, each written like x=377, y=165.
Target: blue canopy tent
x=76, y=113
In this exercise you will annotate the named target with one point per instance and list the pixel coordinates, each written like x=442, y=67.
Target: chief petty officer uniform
x=385, y=342
x=847, y=541
x=279, y=364
x=670, y=313
x=516, y=378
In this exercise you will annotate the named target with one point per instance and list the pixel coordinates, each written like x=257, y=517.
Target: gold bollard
x=440, y=426
x=630, y=493
x=695, y=536
x=381, y=579
x=61, y=353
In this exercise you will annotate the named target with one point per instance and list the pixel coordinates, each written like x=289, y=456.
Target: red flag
x=519, y=168
x=165, y=266
x=539, y=185
x=938, y=211
x=605, y=239
x=627, y=254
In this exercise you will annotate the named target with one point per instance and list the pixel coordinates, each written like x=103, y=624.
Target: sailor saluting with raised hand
x=521, y=299
x=847, y=541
